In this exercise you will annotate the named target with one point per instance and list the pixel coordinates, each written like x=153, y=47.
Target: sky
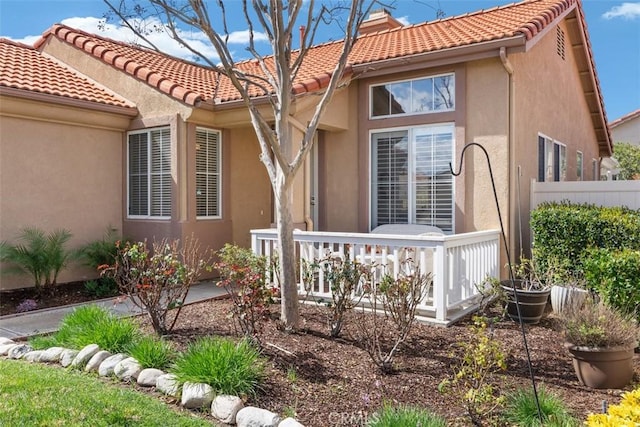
x=613, y=26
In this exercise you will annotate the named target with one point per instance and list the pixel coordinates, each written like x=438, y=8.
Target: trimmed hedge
x=615, y=275
x=563, y=232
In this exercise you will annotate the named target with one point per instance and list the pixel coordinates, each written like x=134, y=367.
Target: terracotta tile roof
x=632, y=115
x=25, y=68
x=191, y=83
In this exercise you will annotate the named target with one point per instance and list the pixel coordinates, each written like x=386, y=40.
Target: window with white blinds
x=552, y=160
x=208, y=179
x=149, y=173
x=411, y=182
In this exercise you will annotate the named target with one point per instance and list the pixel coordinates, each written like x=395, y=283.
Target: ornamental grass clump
x=153, y=352
x=93, y=324
x=409, y=416
x=229, y=367
x=521, y=409
x=596, y=324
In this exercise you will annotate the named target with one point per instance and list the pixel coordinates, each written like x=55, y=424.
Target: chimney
x=302, y=34
x=379, y=20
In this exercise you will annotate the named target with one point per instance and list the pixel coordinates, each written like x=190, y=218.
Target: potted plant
x=568, y=293
x=601, y=341
x=528, y=294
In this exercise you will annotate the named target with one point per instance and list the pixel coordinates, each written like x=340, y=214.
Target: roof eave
x=68, y=102
x=441, y=57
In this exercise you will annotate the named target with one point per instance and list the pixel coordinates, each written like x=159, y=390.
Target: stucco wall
x=249, y=187
x=339, y=167
x=487, y=123
x=549, y=99
x=55, y=175
x=628, y=132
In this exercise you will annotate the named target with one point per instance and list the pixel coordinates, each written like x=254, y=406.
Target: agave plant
x=40, y=255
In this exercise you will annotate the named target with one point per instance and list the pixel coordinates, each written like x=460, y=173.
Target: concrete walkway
x=24, y=325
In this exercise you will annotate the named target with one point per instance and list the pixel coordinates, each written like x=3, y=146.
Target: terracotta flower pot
x=532, y=303
x=602, y=367
x=564, y=297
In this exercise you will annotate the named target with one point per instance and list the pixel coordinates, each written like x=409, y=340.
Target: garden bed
x=327, y=381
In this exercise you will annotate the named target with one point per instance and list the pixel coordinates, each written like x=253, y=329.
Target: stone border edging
x=226, y=409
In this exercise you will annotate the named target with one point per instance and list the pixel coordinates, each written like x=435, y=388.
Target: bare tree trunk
x=289, y=289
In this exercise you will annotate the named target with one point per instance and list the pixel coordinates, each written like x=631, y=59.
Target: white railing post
x=255, y=246
x=440, y=280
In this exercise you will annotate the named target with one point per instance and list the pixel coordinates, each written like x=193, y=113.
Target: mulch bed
x=333, y=382
x=63, y=294
x=337, y=384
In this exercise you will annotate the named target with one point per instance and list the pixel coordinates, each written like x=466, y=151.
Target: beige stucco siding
x=249, y=188
x=55, y=175
x=549, y=100
x=339, y=168
x=487, y=123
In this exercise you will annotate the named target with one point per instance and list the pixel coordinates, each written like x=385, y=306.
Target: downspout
x=512, y=225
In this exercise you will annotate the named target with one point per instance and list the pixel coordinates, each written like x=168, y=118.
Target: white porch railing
x=458, y=263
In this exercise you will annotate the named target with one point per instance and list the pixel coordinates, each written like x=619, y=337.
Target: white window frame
x=207, y=173
x=431, y=77
x=555, y=160
x=150, y=172
x=411, y=209
x=579, y=165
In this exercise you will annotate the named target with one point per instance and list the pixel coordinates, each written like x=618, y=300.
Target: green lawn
x=40, y=395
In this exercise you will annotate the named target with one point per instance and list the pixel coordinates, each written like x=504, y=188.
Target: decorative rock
x=168, y=384
x=84, y=355
x=196, y=395
x=17, y=351
x=127, y=369
x=51, y=355
x=4, y=348
x=290, y=422
x=94, y=363
x=148, y=377
x=67, y=357
x=225, y=408
x=33, y=356
x=5, y=340
x=251, y=416
x=107, y=366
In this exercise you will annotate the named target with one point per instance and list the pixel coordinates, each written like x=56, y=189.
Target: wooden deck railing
x=459, y=263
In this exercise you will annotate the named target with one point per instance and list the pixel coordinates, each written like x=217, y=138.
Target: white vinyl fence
x=600, y=193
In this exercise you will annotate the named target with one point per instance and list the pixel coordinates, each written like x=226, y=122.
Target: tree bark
x=289, y=314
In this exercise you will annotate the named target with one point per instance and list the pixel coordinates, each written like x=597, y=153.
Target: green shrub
x=244, y=275
x=40, y=255
x=93, y=324
x=102, y=287
x=43, y=342
x=473, y=374
x=521, y=409
x=615, y=275
x=562, y=232
x=157, y=278
x=405, y=416
x=152, y=352
x=100, y=252
x=229, y=367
